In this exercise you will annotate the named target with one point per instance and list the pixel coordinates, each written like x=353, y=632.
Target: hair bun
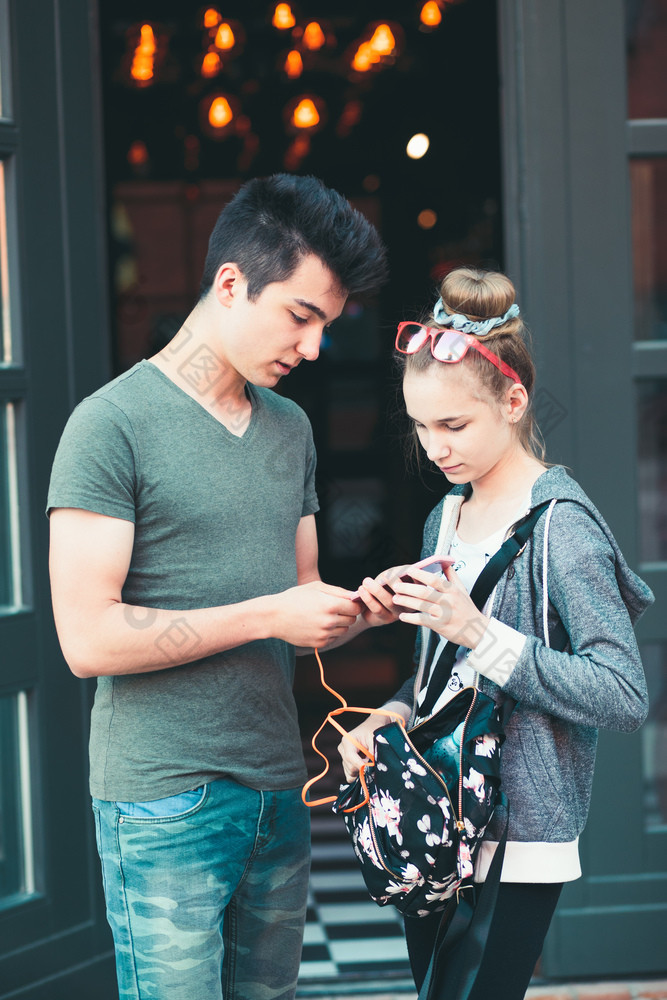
x=478, y=296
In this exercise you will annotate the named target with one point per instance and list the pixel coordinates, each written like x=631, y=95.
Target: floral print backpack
x=416, y=822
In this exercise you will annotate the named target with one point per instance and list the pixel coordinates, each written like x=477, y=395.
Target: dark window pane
x=355, y=510
x=6, y=595
x=5, y=340
x=652, y=467
x=648, y=179
x=646, y=22
x=12, y=865
x=353, y=414
x=654, y=736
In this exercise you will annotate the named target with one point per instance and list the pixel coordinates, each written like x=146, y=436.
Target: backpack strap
x=464, y=930
x=479, y=595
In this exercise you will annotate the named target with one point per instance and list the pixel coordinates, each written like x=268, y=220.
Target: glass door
x=53, y=351
x=586, y=225
x=17, y=648
x=647, y=149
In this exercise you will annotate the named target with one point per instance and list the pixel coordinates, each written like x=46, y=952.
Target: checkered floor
x=348, y=937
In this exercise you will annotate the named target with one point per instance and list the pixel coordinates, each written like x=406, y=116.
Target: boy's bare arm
x=100, y=635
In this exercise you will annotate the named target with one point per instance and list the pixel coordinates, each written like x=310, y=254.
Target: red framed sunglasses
x=447, y=345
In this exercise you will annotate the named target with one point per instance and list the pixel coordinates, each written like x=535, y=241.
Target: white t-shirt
x=471, y=558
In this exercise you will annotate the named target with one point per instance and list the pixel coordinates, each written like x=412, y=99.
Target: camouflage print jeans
x=206, y=892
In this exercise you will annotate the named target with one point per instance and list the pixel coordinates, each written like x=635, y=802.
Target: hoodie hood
x=556, y=484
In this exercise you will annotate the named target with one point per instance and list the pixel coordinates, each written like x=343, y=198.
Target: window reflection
x=654, y=736
x=4, y=60
x=353, y=414
x=648, y=180
x=15, y=851
x=646, y=32
x=5, y=518
x=355, y=510
x=5, y=340
x=652, y=468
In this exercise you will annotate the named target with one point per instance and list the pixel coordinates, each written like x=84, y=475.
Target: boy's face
x=265, y=339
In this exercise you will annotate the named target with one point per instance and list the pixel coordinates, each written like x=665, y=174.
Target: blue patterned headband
x=464, y=325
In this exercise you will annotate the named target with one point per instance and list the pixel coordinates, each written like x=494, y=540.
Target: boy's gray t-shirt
x=215, y=522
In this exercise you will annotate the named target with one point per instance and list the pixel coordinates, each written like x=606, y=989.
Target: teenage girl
x=557, y=633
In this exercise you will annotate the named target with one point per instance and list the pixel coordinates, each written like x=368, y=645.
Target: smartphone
x=432, y=564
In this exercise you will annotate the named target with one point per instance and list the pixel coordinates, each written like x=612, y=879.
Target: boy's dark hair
x=273, y=222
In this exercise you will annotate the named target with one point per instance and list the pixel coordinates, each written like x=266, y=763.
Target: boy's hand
x=313, y=614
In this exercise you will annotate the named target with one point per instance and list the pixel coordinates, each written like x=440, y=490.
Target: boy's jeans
x=206, y=892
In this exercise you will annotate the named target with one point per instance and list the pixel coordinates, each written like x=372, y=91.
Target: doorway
x=197, y=100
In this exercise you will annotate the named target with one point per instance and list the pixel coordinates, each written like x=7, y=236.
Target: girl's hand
x=352, y=757
x=440, y=603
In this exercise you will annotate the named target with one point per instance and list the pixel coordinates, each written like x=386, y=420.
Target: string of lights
x=308, y=48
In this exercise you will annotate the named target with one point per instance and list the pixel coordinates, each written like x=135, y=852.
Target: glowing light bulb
x=283, y=16
x=305, y=114
x=211, y=65
x=383, y=41
x=143, y=61
x=147, y=44
x=364, y=58
x=418, y=146
x=313, y=36
x=137, y=154
x=212, y=18
x=431, y=14
x=142, y=69
x=293, y=64
x=427, y=218
x=224, y=38
x=220, y=112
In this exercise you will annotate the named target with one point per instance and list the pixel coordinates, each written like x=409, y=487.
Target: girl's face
x=464, y=431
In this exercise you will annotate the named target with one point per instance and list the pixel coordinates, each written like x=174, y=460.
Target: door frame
x=567, y=210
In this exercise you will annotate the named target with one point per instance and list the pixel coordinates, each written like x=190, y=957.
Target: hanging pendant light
x=293, y=65
x=283, y=17
x=430, y=14
x=382, y=43
x=142, y=55
x=224, y=37
x=211, y=64
x=306, y=113
x=218, y=114
x=211, y=18
x=313, y=36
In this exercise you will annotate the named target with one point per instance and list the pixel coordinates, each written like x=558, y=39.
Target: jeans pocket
x=98, y=840
x=171, y=807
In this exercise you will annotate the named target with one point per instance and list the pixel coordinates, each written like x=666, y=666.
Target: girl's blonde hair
x=481, y=295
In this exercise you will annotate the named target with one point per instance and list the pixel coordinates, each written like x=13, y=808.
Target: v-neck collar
x=255, y=403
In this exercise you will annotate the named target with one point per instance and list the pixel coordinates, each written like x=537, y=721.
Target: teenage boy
x=184, y=573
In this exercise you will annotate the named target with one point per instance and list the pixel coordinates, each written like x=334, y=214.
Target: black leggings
x=520, y=923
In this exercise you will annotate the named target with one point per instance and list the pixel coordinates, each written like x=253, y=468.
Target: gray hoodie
x=564, y=697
